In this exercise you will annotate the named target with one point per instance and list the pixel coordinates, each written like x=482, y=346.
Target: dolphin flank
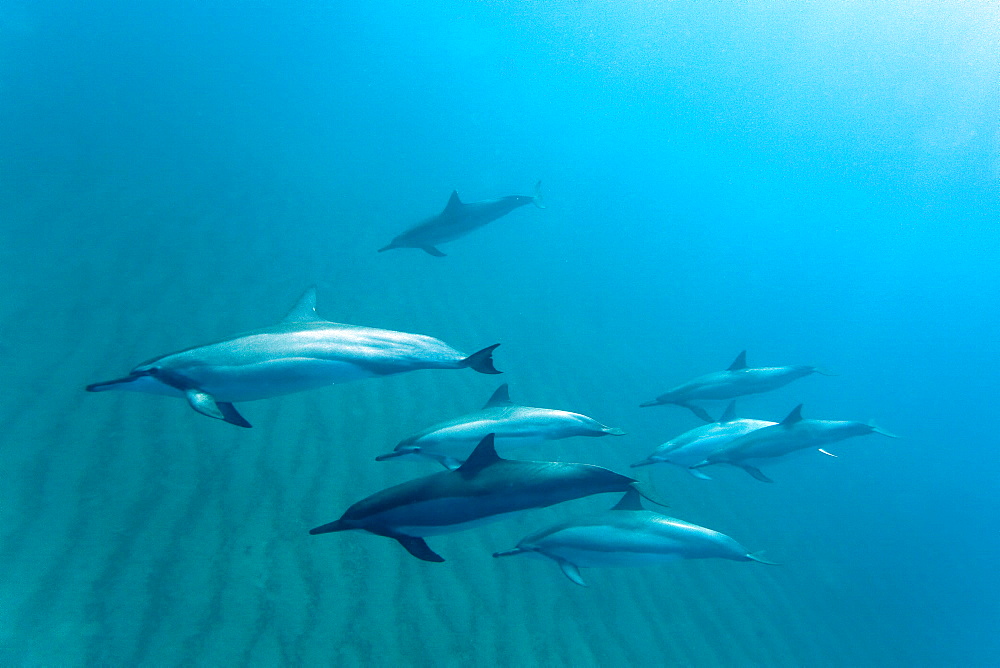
x=303, y=352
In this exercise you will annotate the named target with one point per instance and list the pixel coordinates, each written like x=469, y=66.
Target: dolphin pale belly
x=791, y=436
x=303, y=352
x=458, y=219
x=736, y=381
x=481, y=490
x=627, y=535
x=451, y=442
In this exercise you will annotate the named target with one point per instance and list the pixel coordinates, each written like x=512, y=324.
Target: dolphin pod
x=736, y=381
x=790, y=436
x=483, y=489
x=450, y=442
x=458, y=219
x=302, y=352
x=627, y=535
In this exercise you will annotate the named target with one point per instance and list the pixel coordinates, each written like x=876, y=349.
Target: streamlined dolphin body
x=790, y=436
x=693, y=446
x=736, y=381
x=458, y=219
x=627, y=535
x=451, y=442
x=481, y=490
x=303, y=352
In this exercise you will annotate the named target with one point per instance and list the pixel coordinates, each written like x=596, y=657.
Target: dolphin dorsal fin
x=730, y=413
x=739, y=363
x=500, y=398
x=453, y=202
x=793, y=417
x=305, y=308
x=629, y=501
x=484, y=455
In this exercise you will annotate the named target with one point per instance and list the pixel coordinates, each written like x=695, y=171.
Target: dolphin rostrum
x=627, y=535
x=790, y=436
x=303, y=352
x=451, y=442
x=458, y=219
x=694, y=445
x=736, y=381
x=483, y=489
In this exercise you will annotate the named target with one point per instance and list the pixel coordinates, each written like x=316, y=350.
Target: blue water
x=815, y=183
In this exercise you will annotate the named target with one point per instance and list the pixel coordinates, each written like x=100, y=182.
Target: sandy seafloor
x=136, y=532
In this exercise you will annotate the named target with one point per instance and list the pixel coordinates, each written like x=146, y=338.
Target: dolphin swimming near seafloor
x=694, y=445
x=736, y=381
x=790, y=436
x=303, y=352
x=451, y=442
x=627, y=535
x=458, y=219
x=483, y=489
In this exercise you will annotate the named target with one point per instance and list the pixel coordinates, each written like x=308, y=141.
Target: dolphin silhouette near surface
x=483, y=489
x=450, y=442
x=303, y=352
x=736, y=381
x=627, y=535
x=458, y=219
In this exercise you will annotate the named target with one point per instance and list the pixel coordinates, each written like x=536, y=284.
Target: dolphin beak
x=111, y=384
x=392, y=455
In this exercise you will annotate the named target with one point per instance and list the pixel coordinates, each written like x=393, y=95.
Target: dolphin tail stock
x=482, y=360
x=878, y=430
x=759, y=558
x=537, y=197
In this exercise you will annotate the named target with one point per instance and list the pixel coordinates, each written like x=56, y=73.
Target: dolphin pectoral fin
x=537, y=198
x=204, y=403
x=231, y=415
x=431, y=250
x=698, y=474
x=482, y=360
x=638, y=490
x=758, y=557
x=572, y=571
x=828, y=454
x=417, y=547
x=305, y=308
x=449, y=463
x=699, y=411
x=755, y=472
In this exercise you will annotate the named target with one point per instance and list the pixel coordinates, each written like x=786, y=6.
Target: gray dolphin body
x=791, y=436
x=693, y=446
x=451, y=442
x=627, y=535
x=736, y=381
x=483, y=489
x=458, y=219
x=303, y=352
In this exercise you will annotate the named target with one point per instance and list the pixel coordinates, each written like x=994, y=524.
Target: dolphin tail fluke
x=482, y=361
x=878, y=430
x=572, y=571
x=759, y=558
x=755, y=472
x=700, y=412
x=510, y=553
x=537, y=199
x=328, y=528
x=418, y=548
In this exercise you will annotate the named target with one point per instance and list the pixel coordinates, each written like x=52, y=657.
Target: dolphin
x=451, y=442
x=790, y=436
x=303, y=352
x=694, y=445
x=627, y=535
x=736, y=381
x=483, y=489
x=458, y=219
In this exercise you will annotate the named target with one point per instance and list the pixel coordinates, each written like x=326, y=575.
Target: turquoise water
x=815, y=183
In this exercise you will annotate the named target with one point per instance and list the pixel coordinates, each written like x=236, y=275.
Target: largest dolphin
x=790, y=436
x=736, y=381
x=483, y=489
x=627, y=535
x=450, y=442
x=458, y=219
x=302, y=352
